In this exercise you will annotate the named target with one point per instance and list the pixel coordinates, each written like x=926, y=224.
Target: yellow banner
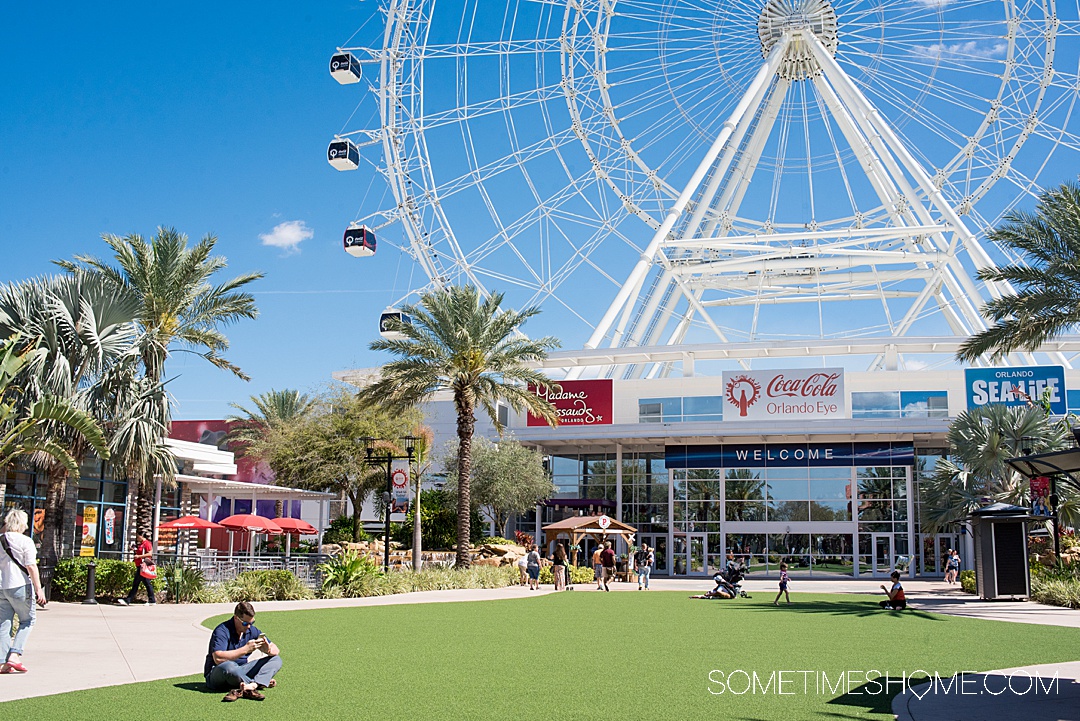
x=89, y=531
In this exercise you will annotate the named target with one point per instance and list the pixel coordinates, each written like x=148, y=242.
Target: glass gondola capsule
x=345, y=68
x=343, y=154
x=359, y=241
x=388, y=322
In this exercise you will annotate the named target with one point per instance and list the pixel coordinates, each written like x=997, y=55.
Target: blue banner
x=790, y=455
x=1016, y=386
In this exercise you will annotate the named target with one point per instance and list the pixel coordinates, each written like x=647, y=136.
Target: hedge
x=112, y=579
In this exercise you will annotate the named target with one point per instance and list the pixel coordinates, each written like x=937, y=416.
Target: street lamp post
x=388, y=457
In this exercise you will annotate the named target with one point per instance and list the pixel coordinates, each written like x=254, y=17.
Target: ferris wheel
x=790, y=173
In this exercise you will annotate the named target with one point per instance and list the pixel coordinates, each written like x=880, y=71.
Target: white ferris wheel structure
x=740, y=181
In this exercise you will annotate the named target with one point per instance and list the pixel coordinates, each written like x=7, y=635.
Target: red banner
x=579, y=403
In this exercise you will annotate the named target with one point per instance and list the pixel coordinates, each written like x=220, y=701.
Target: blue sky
x=209, y=117
x=214, y=118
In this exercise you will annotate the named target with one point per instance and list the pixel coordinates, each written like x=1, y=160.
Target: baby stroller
x=730, y=580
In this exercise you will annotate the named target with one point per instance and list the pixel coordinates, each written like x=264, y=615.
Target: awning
x=237, y=489
x=1062, y=464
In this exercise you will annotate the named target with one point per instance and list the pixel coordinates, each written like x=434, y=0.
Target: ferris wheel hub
x=779, y=17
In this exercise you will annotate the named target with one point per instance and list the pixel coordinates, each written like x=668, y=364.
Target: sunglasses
x=245, y=624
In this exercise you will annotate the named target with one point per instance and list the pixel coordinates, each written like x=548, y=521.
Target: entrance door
x=883, y=554
x=658, y=543
x=697, y=550
x=943, y=542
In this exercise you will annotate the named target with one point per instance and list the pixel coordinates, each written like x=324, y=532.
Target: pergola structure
x=578, y=527
x=1055, y=465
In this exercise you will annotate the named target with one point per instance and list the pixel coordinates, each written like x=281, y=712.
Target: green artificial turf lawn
x=583, y=656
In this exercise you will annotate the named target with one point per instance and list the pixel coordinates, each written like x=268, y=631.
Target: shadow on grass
x=196, y=686
x=837, y=608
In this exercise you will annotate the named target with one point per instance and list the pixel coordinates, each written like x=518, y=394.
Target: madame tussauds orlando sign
x=784, y=394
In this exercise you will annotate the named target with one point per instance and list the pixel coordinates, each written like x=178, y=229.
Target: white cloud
x=933, y=3
x=288, y=235
x=915, y=365
x=970, y=49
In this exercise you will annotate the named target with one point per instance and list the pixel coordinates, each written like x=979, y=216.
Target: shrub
x=1056, y=591
x=438, y=522
x=496, y=541
x=428, y=579
x=967, y=581
x=341, y=531
x=185, y=584
x=344, y=569
x=578, y=574
x=265, y=586
x=112, y=579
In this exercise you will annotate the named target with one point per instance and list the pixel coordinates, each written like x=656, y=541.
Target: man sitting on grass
x=897, y=601
x=227, y=666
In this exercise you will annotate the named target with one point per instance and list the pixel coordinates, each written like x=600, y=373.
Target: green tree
x=322, y=451
x=981, y=440
x=180, y=308
x=467, y=344
x=1047, y=283
x=24, y=433
x=507, y=478
x=83, y=327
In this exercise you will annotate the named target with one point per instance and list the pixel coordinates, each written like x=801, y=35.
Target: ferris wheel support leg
x=922, y=179
x=763, y=76
x=961, y=287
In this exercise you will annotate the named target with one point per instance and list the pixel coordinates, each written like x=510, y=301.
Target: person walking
x=145, y=572
x=598, y=568
x=559, y=568
x=533, y=568
x=523, y=568
x=20, y=587
x=607, y=564
x=952, y=566
x=784, y=580
x=643, y=561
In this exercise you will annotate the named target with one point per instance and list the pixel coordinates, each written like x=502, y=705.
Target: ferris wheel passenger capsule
x=343, y=154
x=359, y=241
x=388, y=323
x=345, y=68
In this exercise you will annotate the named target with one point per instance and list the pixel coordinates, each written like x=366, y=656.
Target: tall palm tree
x=981, y=440
x=460, y=341
x=179, y=308
x=24, y=433
x=273, y=409
x=83, y=326
x=1047, y=299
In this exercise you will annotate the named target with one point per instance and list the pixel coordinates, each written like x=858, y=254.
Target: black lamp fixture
x=388, y=458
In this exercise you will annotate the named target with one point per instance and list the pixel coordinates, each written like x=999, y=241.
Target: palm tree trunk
x=54, y=515
x=466, y=422
x=417, y=536
x=144, y=508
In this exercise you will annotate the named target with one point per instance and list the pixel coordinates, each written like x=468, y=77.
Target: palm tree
x=459, y=341
x=1047, y=299
x=179, y=308
x=83, y=326
x=273, y=409
x=23, y=433
x=982, y=439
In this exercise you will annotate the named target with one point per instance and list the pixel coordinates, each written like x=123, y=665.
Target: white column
x=209, y=513
x=618, y=481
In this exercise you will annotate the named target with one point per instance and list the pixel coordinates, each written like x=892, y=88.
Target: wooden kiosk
x=601, y=528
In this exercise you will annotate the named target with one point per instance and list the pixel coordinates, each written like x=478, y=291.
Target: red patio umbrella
x=296, y=526
x=190, y=522
x=250, y=522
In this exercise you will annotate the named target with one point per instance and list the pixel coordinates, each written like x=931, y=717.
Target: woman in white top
x=19, y=584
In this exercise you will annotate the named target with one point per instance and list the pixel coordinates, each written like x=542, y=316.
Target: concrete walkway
x=77, y=647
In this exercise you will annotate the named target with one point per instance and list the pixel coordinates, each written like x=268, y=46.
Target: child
x=783, y=585
x=897, y=601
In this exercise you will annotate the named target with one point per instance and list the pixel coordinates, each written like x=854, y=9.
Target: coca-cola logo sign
x=578, y=403
x=784, y=395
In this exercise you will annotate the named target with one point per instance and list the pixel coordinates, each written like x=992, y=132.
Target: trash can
x=45, y=571
x=1001, y=552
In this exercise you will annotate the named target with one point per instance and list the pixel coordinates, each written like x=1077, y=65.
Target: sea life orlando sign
x=784, y=395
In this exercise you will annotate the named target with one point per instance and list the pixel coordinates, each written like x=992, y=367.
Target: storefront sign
x=1040, y=496
x=89, y=531
x=399, y=480
x=1016, y=386
x=578, y=403
x=110, y=527
x=786, y=395
x=790, y=455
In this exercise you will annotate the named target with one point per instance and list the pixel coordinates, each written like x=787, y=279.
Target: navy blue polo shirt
x=225, y=638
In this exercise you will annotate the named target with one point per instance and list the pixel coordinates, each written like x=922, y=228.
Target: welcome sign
x=1016, y=386
x=784, y=395
x=578, y=403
